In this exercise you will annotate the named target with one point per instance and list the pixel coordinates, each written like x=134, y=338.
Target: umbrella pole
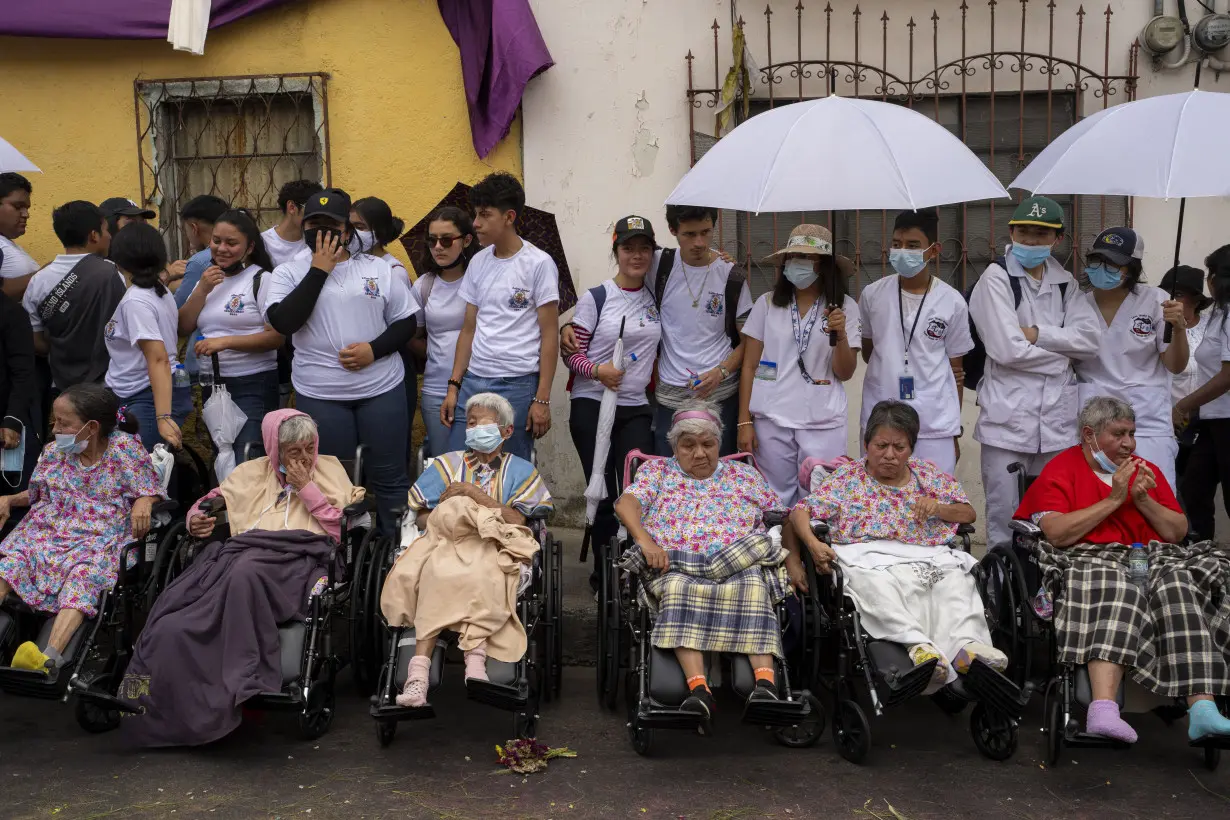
x=589, y=531
x=1178, y=244
x=832, y=288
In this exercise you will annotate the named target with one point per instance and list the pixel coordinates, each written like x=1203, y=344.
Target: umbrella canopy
x=1168, y=146
x=224, y=420
x=13, y=160
x=837, y=153
x=535, y=226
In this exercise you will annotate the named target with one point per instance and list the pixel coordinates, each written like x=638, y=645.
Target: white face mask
x=800, y=272
x=361, y=242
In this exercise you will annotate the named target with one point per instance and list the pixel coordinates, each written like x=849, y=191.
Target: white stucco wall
x=606, y=129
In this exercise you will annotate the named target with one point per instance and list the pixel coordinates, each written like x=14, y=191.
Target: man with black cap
x=1033, y=322
x=120, y=210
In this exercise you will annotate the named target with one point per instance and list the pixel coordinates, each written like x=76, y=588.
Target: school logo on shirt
x=1142, y=325
x=519, y=299
x=651, y=314
x=937, y=328
x=109, y=331
x=716, y=305
x=371, y=287
x=234, y=305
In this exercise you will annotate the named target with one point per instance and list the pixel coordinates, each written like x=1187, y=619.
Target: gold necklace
x=695, y=297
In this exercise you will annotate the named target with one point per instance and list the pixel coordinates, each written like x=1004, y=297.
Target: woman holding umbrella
x=1187, y=285
x=620, y=308
x=1134, y=362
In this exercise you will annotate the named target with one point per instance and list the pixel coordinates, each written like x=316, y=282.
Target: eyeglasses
x=443, y=241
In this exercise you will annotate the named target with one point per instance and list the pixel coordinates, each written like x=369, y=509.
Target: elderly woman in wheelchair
x=91, y=493
x=474, y=508
x=1169, y=623
x=706, y=565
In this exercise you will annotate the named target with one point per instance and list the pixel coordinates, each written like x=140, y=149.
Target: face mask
x=1030, y=256
x=229, y=270
x=1103, y=278
x=67, y=443
x=310, y=234
x=484, y=438
x=361, y=242
x=908, y=263
x=1103, y=460
x=800, y=272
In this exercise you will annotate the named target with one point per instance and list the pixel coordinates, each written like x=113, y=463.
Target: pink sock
x=417, y=680
x=476, y=663
x=1104, y=720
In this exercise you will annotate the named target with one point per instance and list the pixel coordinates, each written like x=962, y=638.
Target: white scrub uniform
x=1129, y=367
x=796, y=418
x=936, y=324
x=1028, y=395
x=1214, y=351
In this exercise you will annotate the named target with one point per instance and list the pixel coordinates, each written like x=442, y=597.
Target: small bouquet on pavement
x=526, y=755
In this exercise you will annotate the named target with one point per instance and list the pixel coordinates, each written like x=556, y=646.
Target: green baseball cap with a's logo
x=1038, y=210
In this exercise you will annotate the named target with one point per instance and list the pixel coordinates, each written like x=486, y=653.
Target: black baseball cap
x=1186, y=279
x=123, y=206
x=330, y=202
x=631, y=226
x=1118, y=245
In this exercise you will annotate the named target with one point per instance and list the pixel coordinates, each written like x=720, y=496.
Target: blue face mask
x=1030, y=256
x=67, y=443
x=1103, y=460
x=908, y=263
x=800, y=272
x=1102, y=277
x=484, y=438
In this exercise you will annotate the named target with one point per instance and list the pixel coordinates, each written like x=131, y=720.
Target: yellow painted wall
x=398, y=124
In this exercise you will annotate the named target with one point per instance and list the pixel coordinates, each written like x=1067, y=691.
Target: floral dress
x=701, y=515
x=65, y=552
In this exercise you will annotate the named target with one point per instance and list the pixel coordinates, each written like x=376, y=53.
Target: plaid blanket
x=716, y=602
x=1175, y=634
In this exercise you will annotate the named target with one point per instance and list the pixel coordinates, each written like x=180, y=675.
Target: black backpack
x=734, y=286
x=975, y=362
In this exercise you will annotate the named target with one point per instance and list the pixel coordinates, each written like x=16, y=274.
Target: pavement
x=923, y=765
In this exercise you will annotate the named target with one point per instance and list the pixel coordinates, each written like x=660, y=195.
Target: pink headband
x=699, y=415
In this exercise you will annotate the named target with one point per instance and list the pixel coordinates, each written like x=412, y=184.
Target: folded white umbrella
x=13, y=160
x=1161, y=147
x=596, y=490
x=837, y=153
x=224, y=420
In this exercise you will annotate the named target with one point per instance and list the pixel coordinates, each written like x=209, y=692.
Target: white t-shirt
x=941, y=333
x=16, y=262
x=231, y=309
x=1184, y=384
x=282, y=250
x=1214, y=349
x=360, y=299
x=694, y=338
x=1129, y=362
x=780, y=393
x=642, y=332
x=141, y=315
x=508, y=293
x=444, y=312
x=43, y=282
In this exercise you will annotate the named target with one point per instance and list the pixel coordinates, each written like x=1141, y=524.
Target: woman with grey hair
x=892, y=518
x=1094, y=503
x=706, y=563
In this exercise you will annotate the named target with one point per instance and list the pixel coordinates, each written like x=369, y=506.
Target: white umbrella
x=837, y=153
x=13, y=160
x=595, y=491
x=224, y=420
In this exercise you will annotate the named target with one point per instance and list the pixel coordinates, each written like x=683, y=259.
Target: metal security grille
x=238, y=138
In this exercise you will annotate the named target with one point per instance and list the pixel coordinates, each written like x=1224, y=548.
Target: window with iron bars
x=238, y=138
x=969, y=226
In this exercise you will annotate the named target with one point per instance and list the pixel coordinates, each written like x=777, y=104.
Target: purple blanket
x=211, y=641
x=131, y=19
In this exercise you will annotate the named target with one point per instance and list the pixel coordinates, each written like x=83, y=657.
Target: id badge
x=905, y=387
x=766, y=371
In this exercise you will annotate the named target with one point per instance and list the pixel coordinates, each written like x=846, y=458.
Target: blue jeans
x=141, y=406
x=519, y=390
x=729, y=410
x=380, y=423
x=256, y=395
x=437, y=433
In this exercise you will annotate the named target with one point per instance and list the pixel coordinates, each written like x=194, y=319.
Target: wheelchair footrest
x=107, y=700
x=1085, y=740
x=400, y=713
x=996, y=690
x=31, y=684
x=1211, y=742
x=782, y=713
x=903, y=686
x=656, y=717
x=499, y=695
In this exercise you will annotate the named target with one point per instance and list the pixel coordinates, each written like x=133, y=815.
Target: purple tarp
x=501, y=51
x=99, y=20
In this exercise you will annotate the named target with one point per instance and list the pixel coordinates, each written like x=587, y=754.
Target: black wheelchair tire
x=1054, y=725
x=995, y=734
x=1212, y=758
x=949, y=702
x=90, y=716
x=807, y=733
x=641, y=737
x=851, y=731
x=317, y=714
x=386, y=730
x=557, y=665
x=525, y=725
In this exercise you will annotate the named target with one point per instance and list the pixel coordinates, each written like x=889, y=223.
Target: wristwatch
x=724, y=371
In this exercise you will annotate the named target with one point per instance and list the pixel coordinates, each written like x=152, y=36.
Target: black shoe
x=765, y=691
x=701, y=703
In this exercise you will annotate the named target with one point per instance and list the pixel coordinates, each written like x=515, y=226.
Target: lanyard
x=802, y=332
x=901, y=308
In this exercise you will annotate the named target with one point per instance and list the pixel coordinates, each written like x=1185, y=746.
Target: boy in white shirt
x=16, y=266
x=284, y=241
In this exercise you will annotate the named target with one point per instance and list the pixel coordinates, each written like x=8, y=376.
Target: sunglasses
x=443, y=241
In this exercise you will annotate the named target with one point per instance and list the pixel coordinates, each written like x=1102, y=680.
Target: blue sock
x=1203, y=720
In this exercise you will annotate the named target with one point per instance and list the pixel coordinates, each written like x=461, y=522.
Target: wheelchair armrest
x=399, y=512
x=820, y=529
x=364, y=505
x=213, y=506
x=1026, y=528
x=774, y=518
x=965, y=529
x=168, y=506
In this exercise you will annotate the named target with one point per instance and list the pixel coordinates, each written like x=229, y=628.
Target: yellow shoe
x=29, y=657
x=920, y=653
x=972, y=651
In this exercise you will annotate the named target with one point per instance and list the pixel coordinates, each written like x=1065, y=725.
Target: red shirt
x=1068, y=484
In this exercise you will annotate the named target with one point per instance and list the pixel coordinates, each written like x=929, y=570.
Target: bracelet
x=454, y=383
x=162, y=416
x=744, y=423
x=544, y=402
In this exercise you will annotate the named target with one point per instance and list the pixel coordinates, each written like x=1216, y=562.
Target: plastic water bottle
x=179, y=376
x=1138, y=565
x=205, y=375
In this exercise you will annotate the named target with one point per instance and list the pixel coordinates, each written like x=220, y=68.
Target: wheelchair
x=854, y=660
x=308, y=662
x=654, y=683
x=1067, y=689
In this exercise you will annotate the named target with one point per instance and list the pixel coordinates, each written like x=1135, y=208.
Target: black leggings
x=632, y=430
x=1208, y=464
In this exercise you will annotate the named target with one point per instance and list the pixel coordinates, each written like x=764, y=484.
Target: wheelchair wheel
x=949, y=702
x=525, y=725
x=1212, y=757
x=317, y=714
x=1054, y=725
x=549, y=626
x=386, y=730
x=806, y=733
x=610, y=633
x=364, y=599
x=557, y=625
x=995, y=734
x=851, y=731
x=90, y=716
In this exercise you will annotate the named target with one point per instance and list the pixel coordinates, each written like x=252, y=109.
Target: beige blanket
x=461, y=576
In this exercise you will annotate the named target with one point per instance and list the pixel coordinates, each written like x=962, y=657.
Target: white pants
x=781, y=451
x=939, y=451
x=1162, y=451
x=1000, y=487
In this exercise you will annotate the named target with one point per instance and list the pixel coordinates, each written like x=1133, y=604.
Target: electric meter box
x=1162, y=35
x=1212, y=33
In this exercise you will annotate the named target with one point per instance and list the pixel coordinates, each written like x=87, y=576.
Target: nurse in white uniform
x=1134, y=362
x=915, y=333
x=792, y=402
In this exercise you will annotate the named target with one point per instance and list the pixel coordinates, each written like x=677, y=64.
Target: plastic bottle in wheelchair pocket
x=1138, y=565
